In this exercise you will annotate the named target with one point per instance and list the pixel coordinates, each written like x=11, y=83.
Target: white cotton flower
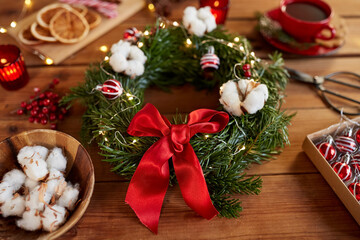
x=53, y=218
x=6, y=191
x=244, y=96
x=54, y=181
x=69, y=196
x=30, y=221
x=200, y=21
x=33, y=200
x=56, y=159
x=32, y=160
x=15, y=177
x=121, y=46
x=14, y=206
x=30, y=184
x=127, y=58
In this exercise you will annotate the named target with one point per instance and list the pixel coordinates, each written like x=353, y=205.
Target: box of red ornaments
x=335, y=152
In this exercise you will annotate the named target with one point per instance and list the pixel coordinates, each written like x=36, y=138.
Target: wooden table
x=295, y=202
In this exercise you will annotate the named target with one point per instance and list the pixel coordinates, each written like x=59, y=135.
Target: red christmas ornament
x=355, y=190
x=343, y=170
x=345, y=144
x=355, y=161
x=357, y=136
x=210, y=61
x=111, y=89
x=131, y=34
x=327, y=150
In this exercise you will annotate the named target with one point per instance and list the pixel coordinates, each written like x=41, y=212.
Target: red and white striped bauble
x=111, y=89
x=357, y=136
x=345, y=144
x=131, y=34
x=327, y=150
x=355, y=161
x=355, y=190
x=343, y=170
x=210, y=61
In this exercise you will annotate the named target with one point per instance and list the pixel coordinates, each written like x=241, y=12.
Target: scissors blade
x=300, y=76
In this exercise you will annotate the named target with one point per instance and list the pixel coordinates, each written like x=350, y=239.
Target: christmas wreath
x=220, y=146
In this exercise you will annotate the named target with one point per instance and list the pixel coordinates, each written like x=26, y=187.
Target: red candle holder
x=219, y=9
x=13, y=73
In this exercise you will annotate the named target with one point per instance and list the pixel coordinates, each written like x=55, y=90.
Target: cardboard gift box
x=325, y=169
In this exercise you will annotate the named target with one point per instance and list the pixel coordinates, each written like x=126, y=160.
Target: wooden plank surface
x=295, y=201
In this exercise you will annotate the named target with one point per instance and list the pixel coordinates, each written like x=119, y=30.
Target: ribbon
x=150, y=181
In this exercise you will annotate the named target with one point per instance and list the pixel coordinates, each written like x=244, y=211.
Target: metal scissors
x=319, y=82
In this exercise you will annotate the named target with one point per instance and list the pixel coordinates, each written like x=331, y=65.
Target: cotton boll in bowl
x=79, y=169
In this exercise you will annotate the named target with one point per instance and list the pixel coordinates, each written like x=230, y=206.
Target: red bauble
x=210, y=61
x=357, y=136
x=343, y=170
x=355, y=190
x=355, y=161
x=247, y=74
x=131, y=34
x=111, y=89
x=327, y=150
x=246, y=67
x=345, y=144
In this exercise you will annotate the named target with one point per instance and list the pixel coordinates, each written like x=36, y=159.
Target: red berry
x=42, y=96
x=33, y=112
x=52, y=117
x=46, y=102
x=44, y=121
x=28, y=107
x=23, y=104
x=32, y=97
x=53, y=126
x=37, y=108
x=31, y=119
x=247, y=74
x=20, y=111
x=53, y=108
x=63, y=110
x=246, y=67
x=41, y=115
x=45, y=110
x=36, y=90
x=56, y=81
x=60, y=117
x=49, y=94
x=37, y=120
x=34, y=103
x=55, y=96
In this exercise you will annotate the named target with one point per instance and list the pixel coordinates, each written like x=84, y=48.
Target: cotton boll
x=198, y=28
x=53, y=217
x=56, y=159
x=30, y=184
x=190, y=11
x=137, y=54
x=6, y=191
x=118, y=62
x=30, y=221
x=188, y=19
x=54, y=180
x=32, y=159
x=230, y=98
x=14, y=206
x=210, y=24
x=15, y=177
x=32, y=200
x=134, y=68
x=24, y=154
x=122, y=46
x=69, y=197
x=41, y=152
x=255, y=100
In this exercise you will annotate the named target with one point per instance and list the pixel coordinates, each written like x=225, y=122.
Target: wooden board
x=59, y=51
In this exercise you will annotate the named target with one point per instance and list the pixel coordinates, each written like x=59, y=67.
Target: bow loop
x=207, y=121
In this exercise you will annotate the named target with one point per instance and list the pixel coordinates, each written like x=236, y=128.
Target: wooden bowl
x=79, y=170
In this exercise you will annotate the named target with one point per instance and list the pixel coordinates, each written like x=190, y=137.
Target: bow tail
x=192, y=182
x=149, y=183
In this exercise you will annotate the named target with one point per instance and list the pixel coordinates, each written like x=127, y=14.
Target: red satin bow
x=149, y=183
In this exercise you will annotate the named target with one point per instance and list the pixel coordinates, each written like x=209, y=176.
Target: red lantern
x=219, y=9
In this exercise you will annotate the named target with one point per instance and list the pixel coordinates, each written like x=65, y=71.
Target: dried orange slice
x=69, y=26
x=81, y=9
x=47, y=13
x=93, y=18
x=41, y=33
x=27, y=38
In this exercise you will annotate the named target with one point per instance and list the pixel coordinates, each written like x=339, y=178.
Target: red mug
x=306, y=20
